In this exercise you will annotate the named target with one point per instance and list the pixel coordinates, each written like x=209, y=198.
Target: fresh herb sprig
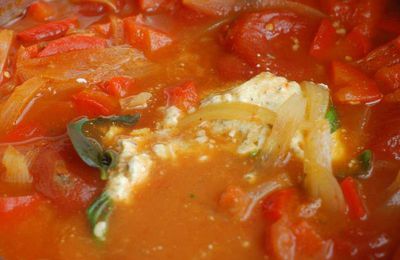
x=89, y=149
x=98, y=214
x=333, y=118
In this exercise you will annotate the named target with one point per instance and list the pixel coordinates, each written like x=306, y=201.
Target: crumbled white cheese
x=172, y=116
x=132, y=170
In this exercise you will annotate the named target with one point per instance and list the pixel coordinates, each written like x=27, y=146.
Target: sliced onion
x=319, y=180
x=289, y=117
x=229, y=111
x=17, y=167
x=15, y=105
x=6, y=40
x=317, y=101
x=255, y=196
x=138, y=101
x=93, y=65
x=117, y=30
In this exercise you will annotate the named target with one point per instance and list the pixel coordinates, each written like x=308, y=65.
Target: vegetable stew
x=188, y=129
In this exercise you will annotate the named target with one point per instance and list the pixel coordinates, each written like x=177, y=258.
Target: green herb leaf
x=98, y=214
x=333, y=118
x=91, y=151
x=365, y=159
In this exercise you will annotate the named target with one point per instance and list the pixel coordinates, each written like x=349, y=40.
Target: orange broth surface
x=180, y=212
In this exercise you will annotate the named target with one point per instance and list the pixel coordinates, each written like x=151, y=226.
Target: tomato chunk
x=277, y=204
x=95, y=103
x=155, y=5
x=48, y=31
x=183, y=96
x=388, y=78
x=118, y=86
x=352, y=86
x=55, y=180
x=324, y=41
x=72, y=43
x=351, y=194
x=91, y=8
x=144, y=37
x=41, y=11
x=383, y=56
x=277, y=41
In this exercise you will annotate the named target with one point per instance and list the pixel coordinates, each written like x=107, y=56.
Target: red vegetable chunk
x=95, y=103
x=351, y=86
x=48, y=31
x=183, y=96
x=41, y=11
x=354, y=201
x=72, y=43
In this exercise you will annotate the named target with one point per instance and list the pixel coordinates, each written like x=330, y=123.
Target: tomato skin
x=324, y=41
x=48, y=31
x=383, y=56
x=351, y=194
x=275, y=41
x=118, y=86
x=183, y=96
x=72, y=43
x=351, y=86
x=41, y=11
x=95, y=103
x=278, y=204
x=54, y=180
x=91, y=8
x=388, y=78
x=144, y=37
x=23, y=131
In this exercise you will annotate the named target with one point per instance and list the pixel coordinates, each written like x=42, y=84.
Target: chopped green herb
x=365, y=159
x=98, y=214
x=333, y=118
x=192, y=196
x=254, y=153
x=91, y=151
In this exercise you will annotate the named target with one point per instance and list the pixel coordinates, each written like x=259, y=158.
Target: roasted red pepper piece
x=183, y=96
x=324, y=41
x=72, y=43
x=118, y=86
x=94, y=103
x=278, y=203
x=143, y=37
x=351, y=194
x=48, y=31
x=351, y=86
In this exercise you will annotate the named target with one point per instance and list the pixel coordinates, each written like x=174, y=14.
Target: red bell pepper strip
x=351, y=194
x=144, y=37
x=351, y=86
x=277, y=204
x=324, y=41
x=72, y=43
x=118, y=86
x=95, y=103
x=183, y=96
x=48, y=31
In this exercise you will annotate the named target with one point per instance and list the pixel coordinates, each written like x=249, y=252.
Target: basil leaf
x=333, y=118
x=91, y=151
x=365, y=159
x=98, y=214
